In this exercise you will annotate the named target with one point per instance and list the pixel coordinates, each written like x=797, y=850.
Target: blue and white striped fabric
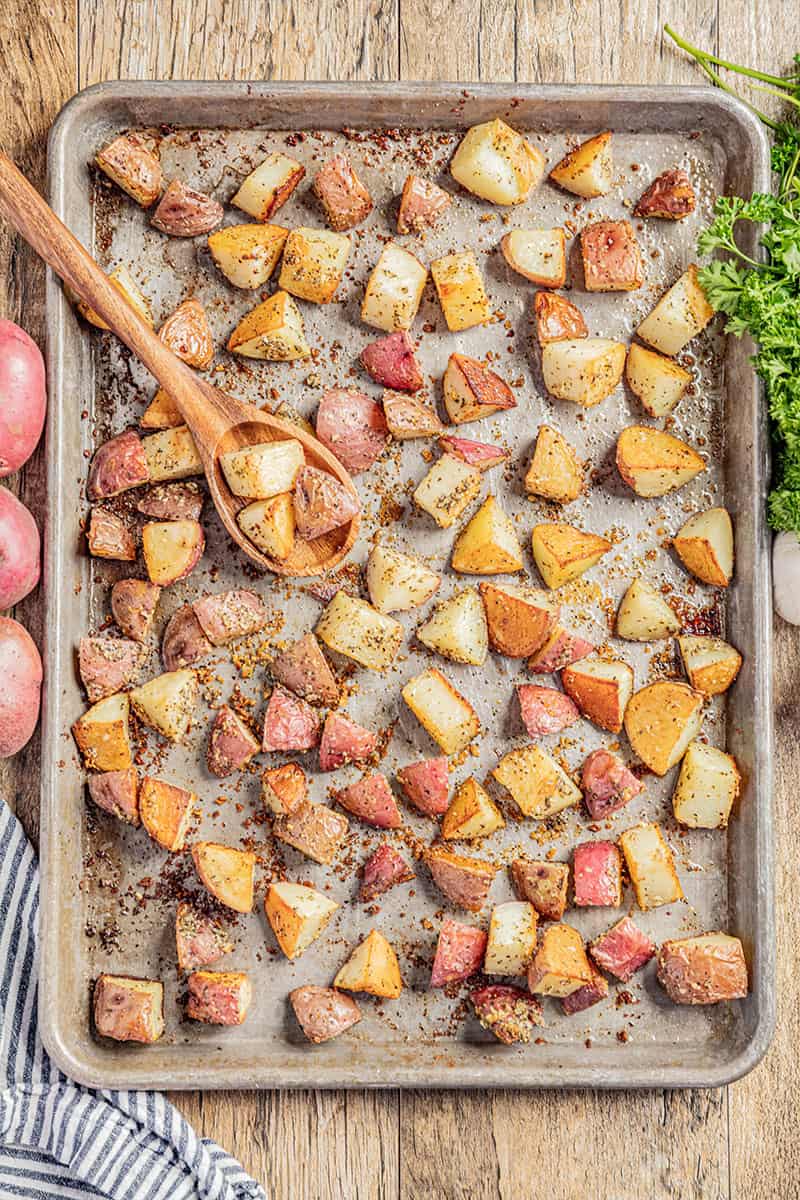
x=58, y=1139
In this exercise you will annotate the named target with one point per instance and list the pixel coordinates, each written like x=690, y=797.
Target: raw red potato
x=510, y=1013
x=557, y=319
x=323, y=1013
x=472, y=391
x=321, y=503
x=23, y=397
x=421, y=204
x=187, y=333
x=199, y=939
x=313, y=829
x=703, y=969
x=545, y=710
x=464, y=881
x=117, y=792
x=475, y=454
x=230, y=615
x=561, y=650
x=182, y=501
x=218, y=997
x=172, y=549
x=392, y=363
x=586, y=996
x=351, y=426
x=597, y=874
x=19, y=548
x=409, y=416
x=670, y=196
x=622, y=950
x=607, y=784
x=384, y=869
x=21, y=672
x=133, y=605
x=231, y=745
x=109, y=536
x=343, y=742
x=289, y=723
x=542, y=884
x=118, y=465
x=284, y=788
x=184, y=642
x=132, y=166
x=107, y=665
x=426, y=785
x=303, y=669
x=371, y=799
x=128, y=1010
x=612, y=260
x=166, y=812
x=459, y=953
x=344, y=199
x=183, y=212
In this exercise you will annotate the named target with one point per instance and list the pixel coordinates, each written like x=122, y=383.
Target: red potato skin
x=231, y=745
x=321, y=504
x=323, y=1013
x=510, y=1013
x=487, y=387
x=21, y=672
x=545, y=710
x=607, y=784
x=184, y=642
x=199, y=939
x=109, y=537
x=343, y=742
x=688, y=979
x=383, y=870
x=289, y=723
x=561, y=650
x=586, y=996
x=117, y=792
x=120, y=1013
x=313, y=829
x=371, y=799
x=622, y=950
x=475, y=454
x=133, y=605
x=228, y=615
x=421, y=204
x=344, y=199
x=353, y=427
x=465, y=881
x=303, y=669
x=183, y=212
x=172, y=502
x=612, y=260
x=23, y=397
x=20, y=566
x=557, y=318
x=289, y=784
x=118, y=465
x=391, y=362
x=670, y=196
x=542, y=884
x=187, y=333
x=107, y=665
x=218, y=997
x=426, y=785
x=459, y=953
x=597, y=874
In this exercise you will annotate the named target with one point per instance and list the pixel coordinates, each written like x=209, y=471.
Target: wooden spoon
x=218, y=422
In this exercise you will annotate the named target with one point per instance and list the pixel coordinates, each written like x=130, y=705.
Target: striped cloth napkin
x=58, y=1139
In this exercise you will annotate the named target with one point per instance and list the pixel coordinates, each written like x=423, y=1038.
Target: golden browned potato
x=653, y=462
x=584, y=370
x=394, y=290
x=456, y=629
x=661, y=720
x=227, y=873
x=538, y=254
x=555, y=471
x=459, y=286
x=512, y=938
x=297, y=914
x=704, y=969
x=102, y=735
x=264, y=469
x=167, y=702
x=588, y=169
x=161, y=413
x=127, y=1009
x=519, y=619
x=269, y=186
x=272, y=330
x=397, y=582
x=127, y=287
x=248, y=254
x=313, y=264
x=188, y=334
x=707, y=787
x=133, y=166
x=704, y=544
x=488, y=543
x=441, y=710
x=498, y=164
x=711, y=663
x=538, y=784
x=171, y=549
x=681, y=313
x=472, y=813
x=557, y=319
x=270, y=525
x=658, y=382
x=560, y=965
x=171, y=454
x=372, y=967
x=352, y=627
x=563, y=552
x=448, y=489
x=651, y=866
x=600, y=689
x=644, y=615
x=472, y=391
x=166, y=812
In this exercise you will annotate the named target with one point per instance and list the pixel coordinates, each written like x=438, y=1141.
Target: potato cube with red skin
x=519, y=619
x=391, y=362
x=303, y=669
x=464, y=881
x=188, y=334
x=166, y=812
x=218, y=997
x=200, y=940
x=321, y=503
x=133, y=166
x=228, y=615
x=352, y=426
x=181, y=501
x=344, y=199
x=410, y=416
x=597, y=874
x=384, y=869
x=284, y=788
x=107, y=665
x=459, y=953
x=184, y=212
x=601, y=690
x=542, y=884
x=622, y=949
x=510, y=1013
x=343, y=742
x=117, y=792
x=133, y=605
x=607, y=784
x=128, y=1009
x=421, y=204
x=545, y=710
x=313, y=829
x=231, y=744
x=323, y=1013
x=612, y=260
x=184, y=642
x=585, y=997
x=557, y=319
x=426, y=785
x=109, y=536
x=475, y=454
x=118, y=465
x=289, y=723
x=371, y=799
x=670, y=196
x=268, y=186
x=703, y=969
x=472, y=391
x=561, y=650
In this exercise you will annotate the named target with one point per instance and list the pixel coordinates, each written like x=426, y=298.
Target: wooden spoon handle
x=31, y=216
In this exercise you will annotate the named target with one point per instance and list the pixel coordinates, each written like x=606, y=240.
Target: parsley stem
x=782, y=81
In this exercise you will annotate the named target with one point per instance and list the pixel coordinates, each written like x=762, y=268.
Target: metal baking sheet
x=109, y=893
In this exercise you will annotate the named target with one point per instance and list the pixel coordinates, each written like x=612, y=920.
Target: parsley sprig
x=762, y=297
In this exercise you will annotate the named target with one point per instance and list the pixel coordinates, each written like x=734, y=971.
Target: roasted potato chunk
x=167, y=702
x=612, y=260
x=704, y=969
x=670, y=196
x=681, y=313
x=600, y=689
x=372, y=967
x=269, y=186
x=644, y=615
x=102, y=735
x=133, y=166
x=313, y=264
x=557, y=319
x=166, y=812
x=472, y=391
x=441, y=710
x=456, y=629
x=707, y=787
x=584, y=370
x=538, y=254
x=563, y=552
x=397, y=582
x=538, y=784
x=498, y=164
x=661, y=720
x=272, y=330
x=133, y=605
x=653, y=462
x=711, y=664
x=344, y=198
x=519, y=619
x=658, y=382
x=704, y=544
x=356, y=629
x=488, y=544
x=421, y=204
x=560, y=965
x=394, y=290
x=184, y=212
x=227, y=873
x=588, y=169
x=323, y=1013
x=555, y=471
x=472, y=813
x=297, y=914
x=248, y=254
x=447, y=490
x=128, y=1010
x=650, y=866
x=459, y=286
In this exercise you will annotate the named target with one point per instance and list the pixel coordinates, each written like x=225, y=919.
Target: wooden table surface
x=738, y=1141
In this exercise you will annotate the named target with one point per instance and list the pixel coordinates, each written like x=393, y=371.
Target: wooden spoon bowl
x=218, y=422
